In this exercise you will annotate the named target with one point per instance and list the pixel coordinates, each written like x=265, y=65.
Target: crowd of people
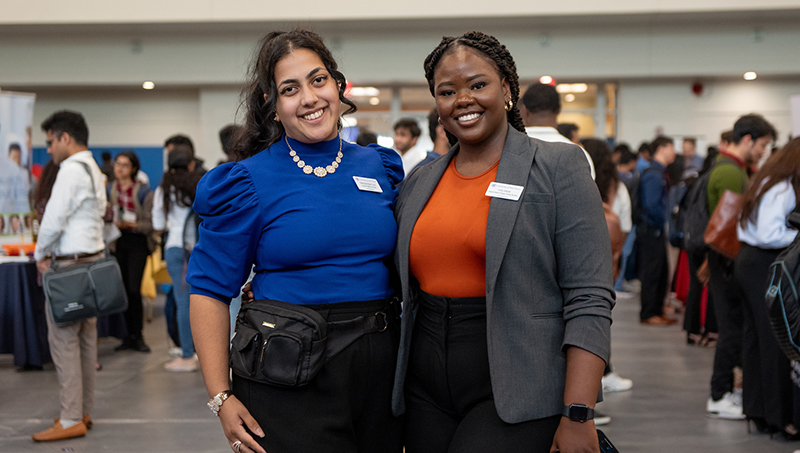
x=479, y=276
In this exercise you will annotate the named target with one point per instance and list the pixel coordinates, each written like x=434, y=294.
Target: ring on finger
x=237, y=445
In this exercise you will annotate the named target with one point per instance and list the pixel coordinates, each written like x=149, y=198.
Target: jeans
x=176, y=263
x=627, y=251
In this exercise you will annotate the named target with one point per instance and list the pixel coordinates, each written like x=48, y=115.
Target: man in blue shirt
x=645, y=155
x=651, y=238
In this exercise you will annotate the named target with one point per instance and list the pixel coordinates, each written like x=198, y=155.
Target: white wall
x=136, y=11
x=644, y=107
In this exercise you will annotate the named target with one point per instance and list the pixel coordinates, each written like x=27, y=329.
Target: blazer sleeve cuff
x=591, y=333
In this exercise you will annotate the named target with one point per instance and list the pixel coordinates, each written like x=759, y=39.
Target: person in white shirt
x=767, y=202
x=72, y=231
x=172, y=205
x=406, y=134
x=539, y=107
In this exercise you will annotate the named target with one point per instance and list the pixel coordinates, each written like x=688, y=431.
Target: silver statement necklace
x=318, y=171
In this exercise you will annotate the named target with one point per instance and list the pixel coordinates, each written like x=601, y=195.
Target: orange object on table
x=12, y=249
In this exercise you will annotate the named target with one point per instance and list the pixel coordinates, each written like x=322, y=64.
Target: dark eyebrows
x=469, y=79
x=310, y=75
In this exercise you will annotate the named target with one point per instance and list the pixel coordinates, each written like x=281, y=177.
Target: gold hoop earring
x=509, y=105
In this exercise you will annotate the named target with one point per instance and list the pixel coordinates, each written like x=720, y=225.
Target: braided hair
x=260, y=128
x=491, y=48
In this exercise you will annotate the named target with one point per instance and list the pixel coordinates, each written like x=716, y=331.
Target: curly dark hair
x=495, y=52
x=260, y=129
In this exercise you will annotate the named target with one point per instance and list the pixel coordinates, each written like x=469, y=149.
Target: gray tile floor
x=142, y=408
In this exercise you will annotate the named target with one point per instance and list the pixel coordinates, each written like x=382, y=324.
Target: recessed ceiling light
x=374, y=101
x=546, y=79
x=569, y=98
x=148, y=85
x=750, y=75
x=364, y=91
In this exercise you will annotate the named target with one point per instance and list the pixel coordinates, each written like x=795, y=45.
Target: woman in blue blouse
x=314, y=215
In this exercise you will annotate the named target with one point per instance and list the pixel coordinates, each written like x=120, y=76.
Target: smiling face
x=470, y=97
x=308, y=97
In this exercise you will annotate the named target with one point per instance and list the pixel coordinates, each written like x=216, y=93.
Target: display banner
x=16, y=161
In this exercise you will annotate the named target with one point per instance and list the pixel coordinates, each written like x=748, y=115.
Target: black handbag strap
x=794, y=217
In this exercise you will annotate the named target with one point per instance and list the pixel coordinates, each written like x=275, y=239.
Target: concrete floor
x=142, y=408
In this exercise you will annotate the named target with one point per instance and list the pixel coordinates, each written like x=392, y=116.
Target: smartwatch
x=578, y=413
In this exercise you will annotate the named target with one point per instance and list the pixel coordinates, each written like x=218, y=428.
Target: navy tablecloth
x=23, y=327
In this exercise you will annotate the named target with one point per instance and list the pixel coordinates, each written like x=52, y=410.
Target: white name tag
x=367, y=184
x=504, y=191
x=128, y=216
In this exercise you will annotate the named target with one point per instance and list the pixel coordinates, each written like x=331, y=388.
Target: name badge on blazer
x=504, y=191
x=367, y=184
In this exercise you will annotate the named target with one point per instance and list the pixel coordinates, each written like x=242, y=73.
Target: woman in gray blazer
x=505, y=266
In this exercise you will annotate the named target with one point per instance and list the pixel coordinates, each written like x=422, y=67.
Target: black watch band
x=578, y=413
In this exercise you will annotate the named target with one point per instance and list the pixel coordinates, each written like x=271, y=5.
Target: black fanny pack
x=285, y=344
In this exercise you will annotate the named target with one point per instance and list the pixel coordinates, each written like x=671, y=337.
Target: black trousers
x=449, y=401
x=691, y=320
x=767, y=386
x=651, y=249
x=131, y=253
x=727, y=297
x=346, y=408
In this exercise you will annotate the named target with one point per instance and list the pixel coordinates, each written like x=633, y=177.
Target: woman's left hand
x=575, y=437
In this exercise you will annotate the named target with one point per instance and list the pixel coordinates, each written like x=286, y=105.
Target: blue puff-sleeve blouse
x=313, y=240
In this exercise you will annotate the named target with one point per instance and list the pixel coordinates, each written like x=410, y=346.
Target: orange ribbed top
x=447, y=253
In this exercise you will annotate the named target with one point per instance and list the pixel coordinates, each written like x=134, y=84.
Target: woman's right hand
x=247, y=293
x=234, y=417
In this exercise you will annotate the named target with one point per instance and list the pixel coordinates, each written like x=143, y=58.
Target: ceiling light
x=572, y=87
x=148, y=85
x=569, y=98
x=579, y=87
x=374, y=101
x=546, y=79
x=364, y=91
x=750, y=75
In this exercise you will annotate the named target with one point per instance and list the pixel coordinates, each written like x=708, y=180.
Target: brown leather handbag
x=721, y=231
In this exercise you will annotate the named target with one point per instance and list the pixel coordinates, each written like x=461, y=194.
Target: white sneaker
x=601, y=419
x=613, y=382
x=179, y=364
x=728, y=407
x=175, y=352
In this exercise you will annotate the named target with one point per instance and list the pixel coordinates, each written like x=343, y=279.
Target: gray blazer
x=548, y=273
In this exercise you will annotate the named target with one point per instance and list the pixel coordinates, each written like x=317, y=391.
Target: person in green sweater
x=751, y=135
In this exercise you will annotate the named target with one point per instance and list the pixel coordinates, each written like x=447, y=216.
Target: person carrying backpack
x=751, y=135
x=768, y=201
x=651, y=237
x=172, y=209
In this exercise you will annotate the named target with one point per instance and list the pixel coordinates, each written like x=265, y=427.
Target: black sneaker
x=126, y=344
x=139, y=345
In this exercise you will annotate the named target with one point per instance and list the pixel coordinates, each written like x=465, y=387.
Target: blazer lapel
x=514, y=168
x=423, y=188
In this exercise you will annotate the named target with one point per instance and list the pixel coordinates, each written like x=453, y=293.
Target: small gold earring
x=509, y=105
x=439, y=120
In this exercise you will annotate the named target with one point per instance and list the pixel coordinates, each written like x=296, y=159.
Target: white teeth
x=469, y=117
x=314, y=115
